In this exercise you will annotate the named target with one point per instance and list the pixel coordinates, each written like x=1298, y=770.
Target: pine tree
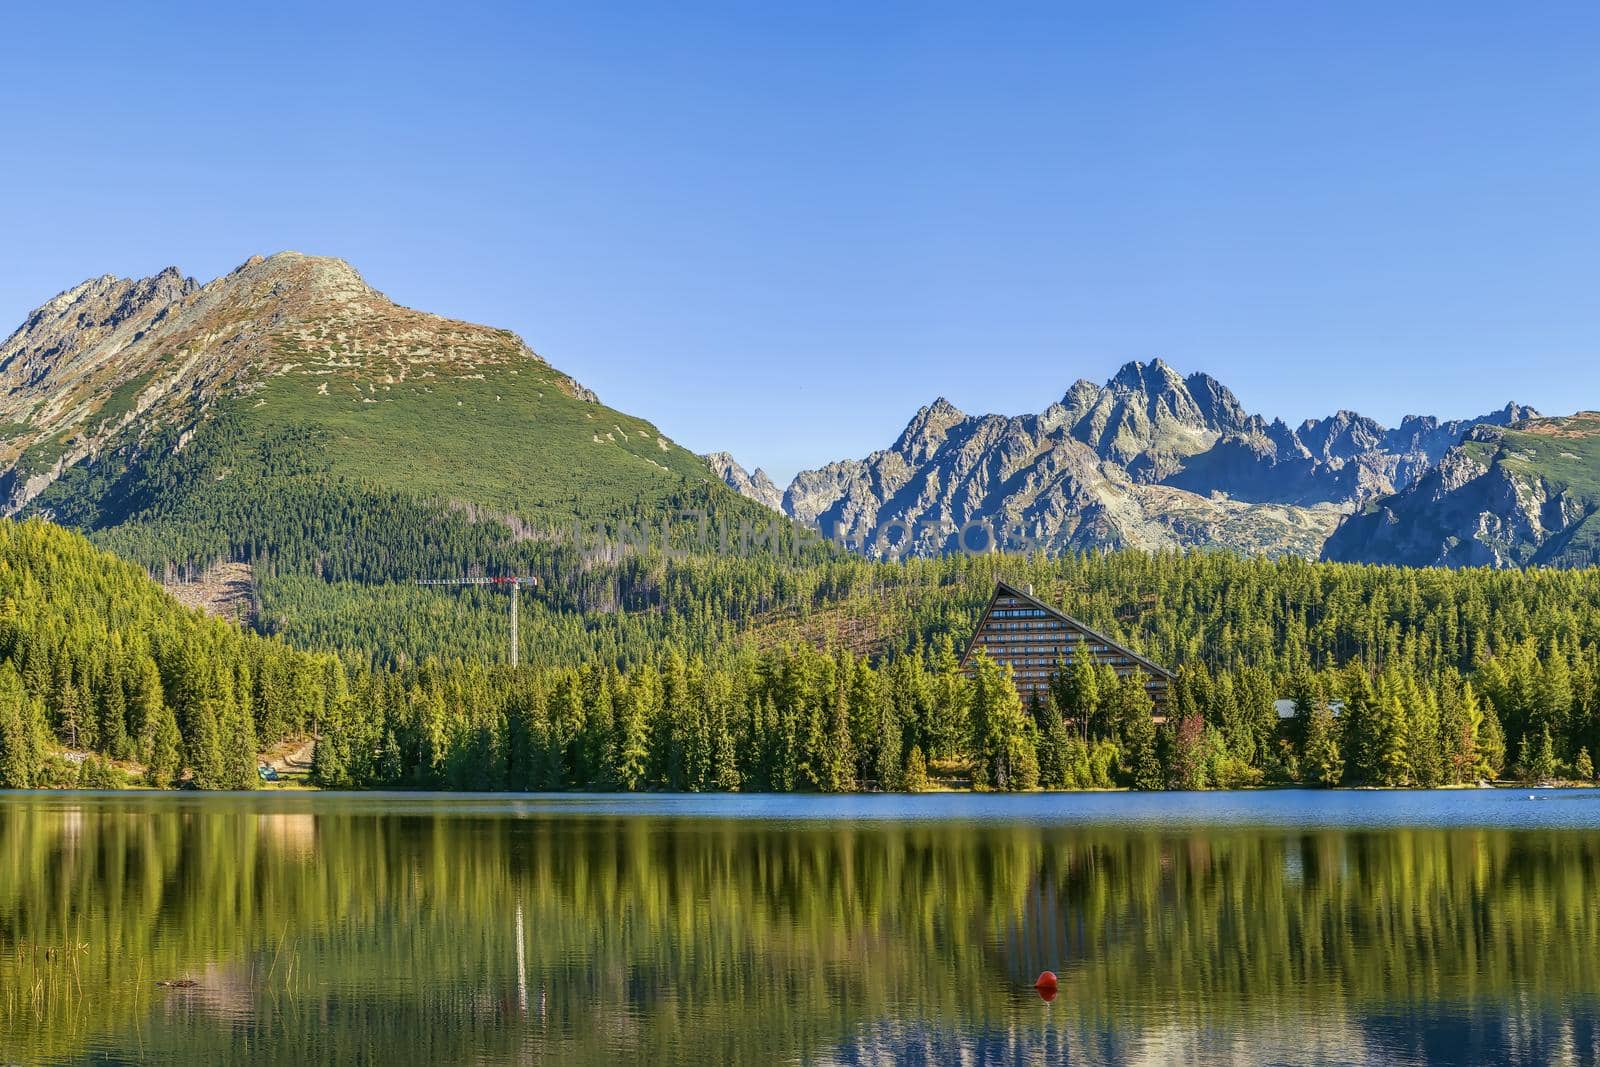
x=916, y=776
x=1321, y=761
x=950, y=702
x=149, y=706
x=567, y=717
x=1186, y=754
x=1542, y=767
x=21, y=733
x=113, y=715
x=1491, y=739
x=838, y=755
x=165, y=759
x=633, y=735
x=888, y=768
x=205, y=748
x=1082, y=693
x=784, y=761
x=1000, y=744
x=238, y=744
x=1140, y=767
x=1360, y=726
x=1458, y=734
x=1583, y=766
x=1392, y=764
x=1304, y=692
x=75, y=727
x=1053, y=747
x=1422, y=738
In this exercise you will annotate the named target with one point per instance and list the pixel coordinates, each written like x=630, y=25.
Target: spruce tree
x=21, y=747
x=1391, y=761
x=113, y=716
x=1140, y=767
x=205, y=748
x=1422, y=738
x=1322, y=763
x=1491, y=738
x=916, y=776
x=889, y=769
x=633, y=736
x=149, y=706
x=1542, y=767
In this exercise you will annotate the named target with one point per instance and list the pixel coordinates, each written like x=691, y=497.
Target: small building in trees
x=1036, y=640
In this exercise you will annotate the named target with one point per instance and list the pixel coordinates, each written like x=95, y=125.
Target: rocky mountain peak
x=1151, y=379
x=308, y=280
x=1510, y=414
x=1342, y=435
x=928, y=428
x=757, y=486
x=104, y=313
x=1216, y=403
x=159, y=349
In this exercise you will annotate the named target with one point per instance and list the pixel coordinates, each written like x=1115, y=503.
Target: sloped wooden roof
x=1007, y=589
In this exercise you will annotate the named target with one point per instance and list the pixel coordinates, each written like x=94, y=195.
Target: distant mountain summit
x=1150, y=459
x=757, y=486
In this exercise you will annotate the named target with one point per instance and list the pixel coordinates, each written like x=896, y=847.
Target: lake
x=1280, y=926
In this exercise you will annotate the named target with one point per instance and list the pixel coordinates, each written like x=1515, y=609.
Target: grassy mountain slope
x=301, y=347
x=1516, y=497
x=288, y=416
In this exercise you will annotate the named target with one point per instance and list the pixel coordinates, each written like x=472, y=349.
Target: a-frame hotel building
x=1034, y=639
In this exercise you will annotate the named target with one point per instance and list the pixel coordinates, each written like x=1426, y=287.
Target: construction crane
x=514, y=583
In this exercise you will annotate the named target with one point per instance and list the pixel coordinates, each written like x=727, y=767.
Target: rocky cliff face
x=758, y=486
x=1516, y=496
x=1150, y=459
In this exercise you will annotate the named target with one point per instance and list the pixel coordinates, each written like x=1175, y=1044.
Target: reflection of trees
x=340, y=937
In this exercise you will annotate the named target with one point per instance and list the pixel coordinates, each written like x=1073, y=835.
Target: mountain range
x=200, y=421
x=1153, y=459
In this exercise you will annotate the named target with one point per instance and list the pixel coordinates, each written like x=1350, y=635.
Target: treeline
x=801, y=718
x=648, y=671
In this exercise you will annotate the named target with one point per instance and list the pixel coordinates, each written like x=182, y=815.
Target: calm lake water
x=388, y=929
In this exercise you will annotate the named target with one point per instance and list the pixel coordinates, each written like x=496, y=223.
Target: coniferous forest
x=812, y=671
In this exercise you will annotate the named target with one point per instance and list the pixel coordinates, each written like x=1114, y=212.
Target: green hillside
x=1525, y=496
x=513, y=439
x=1562, y=456
x=96, y=658
x=288, y=417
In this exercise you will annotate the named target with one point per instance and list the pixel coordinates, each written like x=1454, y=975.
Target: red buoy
x=1046, y=985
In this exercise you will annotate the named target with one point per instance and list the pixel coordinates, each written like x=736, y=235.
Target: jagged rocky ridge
x=1150, y=459
x=757, y=485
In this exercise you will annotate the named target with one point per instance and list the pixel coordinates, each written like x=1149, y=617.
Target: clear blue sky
x=779, y=229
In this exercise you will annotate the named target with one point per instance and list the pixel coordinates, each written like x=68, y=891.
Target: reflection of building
x=1035, y=639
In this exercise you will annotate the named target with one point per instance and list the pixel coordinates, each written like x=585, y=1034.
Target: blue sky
x=780, y=229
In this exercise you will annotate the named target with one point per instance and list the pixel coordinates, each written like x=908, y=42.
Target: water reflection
x=365, y=930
